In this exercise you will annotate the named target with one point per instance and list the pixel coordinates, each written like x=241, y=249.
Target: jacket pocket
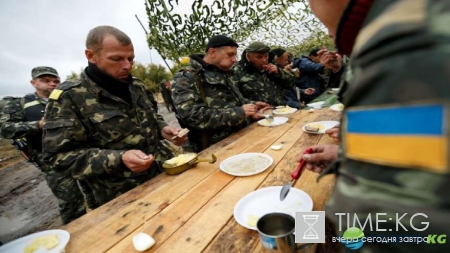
x=110, y=126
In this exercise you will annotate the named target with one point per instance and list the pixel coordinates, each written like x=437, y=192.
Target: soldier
x=394, y=156
x=23, y=118
x=260, y=80
x=166, y=90
x=206, y=98
x=103, y=128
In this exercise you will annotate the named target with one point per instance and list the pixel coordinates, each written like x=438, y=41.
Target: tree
x=74, y=75
x=151, y=74
x=317, y=40
x=179, y=29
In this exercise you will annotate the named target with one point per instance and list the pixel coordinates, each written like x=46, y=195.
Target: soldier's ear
x=33, y=82
x=90, y=56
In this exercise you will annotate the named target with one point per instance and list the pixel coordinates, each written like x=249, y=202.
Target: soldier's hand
x=137, y=161
x=41, y=123
x=320, y=157
x=260, y=105
x=258, y=116
x=288, y=67
x=249, y=109
x=271, y=68
x=310, y=91
x=169, y=132
x=334, y=133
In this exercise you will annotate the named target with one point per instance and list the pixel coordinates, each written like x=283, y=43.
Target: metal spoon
x=269, y=118
x=295, y=175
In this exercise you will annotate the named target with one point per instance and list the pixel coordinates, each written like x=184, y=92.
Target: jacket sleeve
x=194, y=111
x=309, y=66
x=65, y=144
x=290, y=98
x=285, y=79
x=13, y=123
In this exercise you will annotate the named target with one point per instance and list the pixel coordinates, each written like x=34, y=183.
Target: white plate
x=276, y=121
x=335, y=107
x=245, y=159
x=18, y=246
x=335, y=89
x=327, y=125
x=316, y=105
x=267, y=200
x=290, y=111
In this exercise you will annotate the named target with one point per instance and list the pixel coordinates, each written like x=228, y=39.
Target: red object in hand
x=298, y=171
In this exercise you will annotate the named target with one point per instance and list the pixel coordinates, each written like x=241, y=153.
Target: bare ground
x=26, y=203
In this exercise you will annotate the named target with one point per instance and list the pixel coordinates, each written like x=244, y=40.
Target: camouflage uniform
x=259, y=85
x=87, y=130
x=20, y=119
x=408, y=75
x=215, y=115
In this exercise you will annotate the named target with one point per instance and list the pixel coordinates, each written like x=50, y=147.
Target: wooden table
x=193, y=211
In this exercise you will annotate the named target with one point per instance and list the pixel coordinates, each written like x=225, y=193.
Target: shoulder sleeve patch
x=55, y=94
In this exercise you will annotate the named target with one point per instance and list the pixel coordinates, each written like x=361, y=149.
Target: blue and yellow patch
x=408, y=136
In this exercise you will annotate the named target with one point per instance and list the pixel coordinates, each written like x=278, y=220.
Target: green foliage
x=151, y=74
x=180, y=28
x=317, y=40
x=74, y=75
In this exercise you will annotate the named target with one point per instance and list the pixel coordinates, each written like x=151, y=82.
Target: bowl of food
x=184, y=162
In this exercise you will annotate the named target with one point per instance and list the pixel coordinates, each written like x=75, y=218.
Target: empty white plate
x=316, y=105
x=256, y=204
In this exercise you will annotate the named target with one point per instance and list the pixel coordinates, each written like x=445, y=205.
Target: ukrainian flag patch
x=413, y=136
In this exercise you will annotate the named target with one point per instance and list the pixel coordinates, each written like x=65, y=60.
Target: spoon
x=295, y=175
x=269, y=118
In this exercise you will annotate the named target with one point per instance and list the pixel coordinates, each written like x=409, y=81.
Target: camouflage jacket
x=87, y=130
x=261, y=86
x=20, y=119
x=395, y=155
x=220, y=113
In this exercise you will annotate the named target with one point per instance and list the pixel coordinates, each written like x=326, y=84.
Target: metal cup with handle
x=276, y=233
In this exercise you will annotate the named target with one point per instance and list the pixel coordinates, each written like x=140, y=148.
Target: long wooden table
x=193, y=211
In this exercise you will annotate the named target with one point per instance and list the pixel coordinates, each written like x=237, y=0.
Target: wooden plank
x=235, y=238
x=184, y=208
x=114, y=227
x=240, y=190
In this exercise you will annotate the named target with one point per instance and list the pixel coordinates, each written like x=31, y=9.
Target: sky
x=53, y=33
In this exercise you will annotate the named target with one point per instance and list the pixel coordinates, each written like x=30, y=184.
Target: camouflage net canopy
x=182, y=27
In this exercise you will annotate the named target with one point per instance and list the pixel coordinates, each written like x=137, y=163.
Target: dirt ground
x=26, y=203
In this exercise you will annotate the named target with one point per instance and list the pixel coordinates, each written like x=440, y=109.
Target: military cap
x=43, y=70
x=220, y=41
x=257, y=47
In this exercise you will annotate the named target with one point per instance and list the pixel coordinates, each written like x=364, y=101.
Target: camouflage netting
x=181, y=27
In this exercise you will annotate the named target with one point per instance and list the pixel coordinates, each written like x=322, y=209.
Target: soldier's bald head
x=95, y=37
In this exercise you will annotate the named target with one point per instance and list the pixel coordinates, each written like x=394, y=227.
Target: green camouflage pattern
x=413, y=68
x=262, y=86
x=43, y=70
x=221, y=114
x=14, y=125
x=87, y=130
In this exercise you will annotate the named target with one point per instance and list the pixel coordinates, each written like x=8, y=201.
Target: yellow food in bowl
x=181, y=159
x=340, y=106
x=285, y=109
x=48, y=241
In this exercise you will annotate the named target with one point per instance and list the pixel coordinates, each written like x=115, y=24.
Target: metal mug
x=276, y=233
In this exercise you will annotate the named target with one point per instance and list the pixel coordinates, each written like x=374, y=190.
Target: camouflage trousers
x=66, y=190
